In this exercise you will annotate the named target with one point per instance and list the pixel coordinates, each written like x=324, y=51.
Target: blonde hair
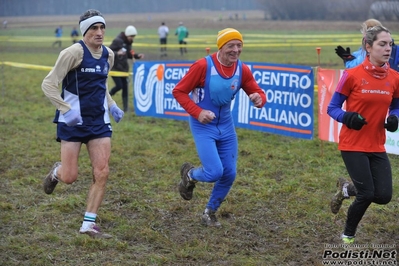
x=369, y=24
x=370, y=36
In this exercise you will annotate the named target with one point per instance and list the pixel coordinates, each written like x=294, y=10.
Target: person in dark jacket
x=122, y=47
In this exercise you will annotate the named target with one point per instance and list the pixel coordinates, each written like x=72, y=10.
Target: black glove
x=354, y=120
x=344, y=54
x=392, y=123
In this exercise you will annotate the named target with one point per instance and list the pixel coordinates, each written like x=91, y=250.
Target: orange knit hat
x=227, y=35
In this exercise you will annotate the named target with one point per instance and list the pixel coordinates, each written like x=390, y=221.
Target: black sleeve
x=116, y=45
x=129, y=51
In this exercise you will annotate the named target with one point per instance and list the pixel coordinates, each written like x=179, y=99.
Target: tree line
x=73, y=7
x=355, y=10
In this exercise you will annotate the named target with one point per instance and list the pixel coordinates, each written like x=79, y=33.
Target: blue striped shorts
x=82, y=133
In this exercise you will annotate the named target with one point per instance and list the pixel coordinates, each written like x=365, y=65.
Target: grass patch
x=277, y=212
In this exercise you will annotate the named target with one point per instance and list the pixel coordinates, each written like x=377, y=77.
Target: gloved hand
x=344, y=54
x=116, y=112
x=72, y=118
x=392, y=123
x=354, y=120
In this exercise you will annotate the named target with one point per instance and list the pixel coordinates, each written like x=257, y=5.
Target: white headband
x=87, y=23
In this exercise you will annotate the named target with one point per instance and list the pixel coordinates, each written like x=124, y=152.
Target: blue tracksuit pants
x=217, y=149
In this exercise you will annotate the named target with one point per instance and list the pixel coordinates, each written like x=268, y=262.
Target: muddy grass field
x=276, y=214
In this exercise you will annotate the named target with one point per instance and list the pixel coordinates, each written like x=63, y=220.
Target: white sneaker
x=94, y=231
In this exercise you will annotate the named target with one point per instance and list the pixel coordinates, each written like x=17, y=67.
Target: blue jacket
x=359, y=55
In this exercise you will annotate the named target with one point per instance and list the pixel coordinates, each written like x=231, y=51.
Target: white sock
x=89, y=220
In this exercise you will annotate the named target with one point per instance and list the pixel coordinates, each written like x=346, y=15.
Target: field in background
x=290, y=42
x=276, y=214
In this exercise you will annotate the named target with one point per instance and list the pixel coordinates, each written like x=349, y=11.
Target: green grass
x=272, y=47
x=277, y=212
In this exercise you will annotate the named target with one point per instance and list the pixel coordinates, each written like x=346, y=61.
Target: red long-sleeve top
x=195, y=78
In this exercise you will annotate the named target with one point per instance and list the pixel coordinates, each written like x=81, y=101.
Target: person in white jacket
x=163, y=32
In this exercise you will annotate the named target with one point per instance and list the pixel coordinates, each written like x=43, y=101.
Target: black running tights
x=372, y=176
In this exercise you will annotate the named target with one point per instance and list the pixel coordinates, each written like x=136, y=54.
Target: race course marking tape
x=48, y=68
x=39, y=67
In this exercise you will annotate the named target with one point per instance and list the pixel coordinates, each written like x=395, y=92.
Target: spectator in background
x=362, y=137
x=163, y=32
x=122, y=47
x=182, y=33
x=74, y=35
x=58, y=36
x=82, y=114
x=357, y=57
x=5, y=23
x=206, y=93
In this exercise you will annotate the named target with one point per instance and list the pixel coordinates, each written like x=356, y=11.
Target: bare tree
x=349, y=9
x=385, y=10
x=294, y=10
x=316, y=10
